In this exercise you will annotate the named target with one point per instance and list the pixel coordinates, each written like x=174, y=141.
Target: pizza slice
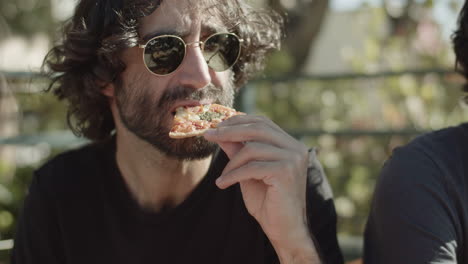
x=195, y=120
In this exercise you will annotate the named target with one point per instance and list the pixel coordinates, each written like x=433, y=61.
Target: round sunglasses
x=164, y=54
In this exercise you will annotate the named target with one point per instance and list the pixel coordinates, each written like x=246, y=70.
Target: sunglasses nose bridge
x=195, y=44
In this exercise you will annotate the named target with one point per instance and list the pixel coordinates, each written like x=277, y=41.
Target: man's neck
x=155, y=180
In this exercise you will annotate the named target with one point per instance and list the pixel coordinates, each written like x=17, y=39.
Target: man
x=245, y=192
x=420, y=209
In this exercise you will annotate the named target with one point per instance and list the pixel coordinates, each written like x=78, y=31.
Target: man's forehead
x=182, y=17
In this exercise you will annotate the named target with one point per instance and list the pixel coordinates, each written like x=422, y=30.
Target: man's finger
x=254, y=151
x=255, y=170
x=258, y=132
x=230, y=148
x=248, y=119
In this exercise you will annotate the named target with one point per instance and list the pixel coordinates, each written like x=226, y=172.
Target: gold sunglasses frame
x=201, y=44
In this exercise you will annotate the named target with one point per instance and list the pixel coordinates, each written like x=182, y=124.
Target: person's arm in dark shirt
x=412, y=219
x=37, y=238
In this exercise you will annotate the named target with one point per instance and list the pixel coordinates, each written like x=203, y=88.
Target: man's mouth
x=189, y=103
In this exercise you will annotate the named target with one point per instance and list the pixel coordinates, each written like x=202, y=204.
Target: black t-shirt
x=420, y=209
x=79, y=210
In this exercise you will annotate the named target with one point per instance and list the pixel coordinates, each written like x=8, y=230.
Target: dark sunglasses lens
x=221, y=51
x=163, y=55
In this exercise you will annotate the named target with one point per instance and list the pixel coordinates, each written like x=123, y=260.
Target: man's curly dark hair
x=460, y=45
x=87, y=58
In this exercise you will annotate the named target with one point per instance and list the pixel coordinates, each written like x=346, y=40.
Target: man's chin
x=194, y=148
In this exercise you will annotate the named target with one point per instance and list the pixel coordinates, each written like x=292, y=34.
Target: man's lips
x=189, y=103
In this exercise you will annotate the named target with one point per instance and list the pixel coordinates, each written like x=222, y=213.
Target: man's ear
x=109, y=90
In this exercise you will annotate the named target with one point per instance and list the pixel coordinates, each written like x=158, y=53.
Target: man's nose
x=194, y=71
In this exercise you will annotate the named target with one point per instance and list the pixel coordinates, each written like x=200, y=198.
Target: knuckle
x=254, y=165
x=303, y=156
x=286, y=166
x=304, y=150
x=249, y=148
x=289, y=174
x=298, y=158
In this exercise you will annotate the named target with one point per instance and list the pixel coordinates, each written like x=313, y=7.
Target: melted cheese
x=182, y=113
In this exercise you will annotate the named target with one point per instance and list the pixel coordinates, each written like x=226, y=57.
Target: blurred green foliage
x=27, y=17
x=378, y=107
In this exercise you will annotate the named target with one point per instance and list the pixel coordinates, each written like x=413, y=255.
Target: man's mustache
x=186, y=93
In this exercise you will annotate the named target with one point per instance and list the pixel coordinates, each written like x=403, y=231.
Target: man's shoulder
x=444, y=144
x=420, y=191
x=435, y=158
x=68, y=160
x=448, y=137
x=73, y=168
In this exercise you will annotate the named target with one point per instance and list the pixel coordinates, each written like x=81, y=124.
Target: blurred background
x=356, y=78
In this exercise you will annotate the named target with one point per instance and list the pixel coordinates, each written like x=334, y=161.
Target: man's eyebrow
x=156, y=33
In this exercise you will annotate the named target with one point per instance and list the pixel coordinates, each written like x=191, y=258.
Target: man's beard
x=150, y=119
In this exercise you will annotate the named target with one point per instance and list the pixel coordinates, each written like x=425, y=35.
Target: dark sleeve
x=412, y=218
x=321, y=213
x=37, y=238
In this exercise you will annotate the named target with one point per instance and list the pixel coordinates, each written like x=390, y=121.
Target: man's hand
x=271, y=168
